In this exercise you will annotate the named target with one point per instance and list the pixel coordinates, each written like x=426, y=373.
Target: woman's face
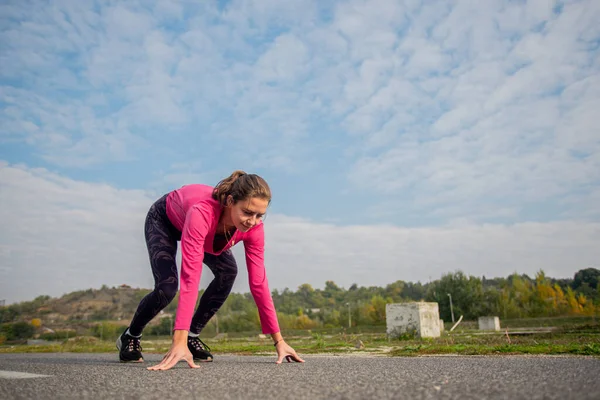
x=246, y=214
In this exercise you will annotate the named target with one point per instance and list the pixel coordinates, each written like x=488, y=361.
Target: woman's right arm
x=193, y=235
x=194, y=232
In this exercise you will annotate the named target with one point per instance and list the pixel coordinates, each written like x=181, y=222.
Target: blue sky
x=402, y=140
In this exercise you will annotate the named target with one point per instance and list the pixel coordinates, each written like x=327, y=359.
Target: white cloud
x=498, y=128
x=268, y=70
x=286, y=60
x=184, y=173
x=64, y=235
x=428, y=112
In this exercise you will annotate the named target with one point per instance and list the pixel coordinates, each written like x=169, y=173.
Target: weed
x=319, y=342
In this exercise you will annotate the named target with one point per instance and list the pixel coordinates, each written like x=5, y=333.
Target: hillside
x=116, y=303
x=516, y=296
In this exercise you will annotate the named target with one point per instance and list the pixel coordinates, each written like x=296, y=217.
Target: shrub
x=164, y=327
x=58, y=335
x=17, y=330
x=106, y=330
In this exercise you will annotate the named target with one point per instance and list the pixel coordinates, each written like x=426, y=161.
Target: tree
x=8, y=314
x=164, y=327
x=574, y=306
x=562, y=306
x=377, y=309
x=492, y=298
x=591, y=276
x=414, y=291
x=466, y=292
x=520, y=290
x=394, y=290
x=18, y=330
x=304, y=322
x=333, y=292
x=108, y=331
x=544, y=297
x=331, y=287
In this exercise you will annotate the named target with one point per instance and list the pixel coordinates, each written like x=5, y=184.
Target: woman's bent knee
x=166, y=294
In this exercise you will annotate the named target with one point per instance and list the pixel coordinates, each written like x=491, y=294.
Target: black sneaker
x=130, y=349
x=199, y=349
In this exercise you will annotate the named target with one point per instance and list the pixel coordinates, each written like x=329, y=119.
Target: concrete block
x=441, y=325
x=420, y=318
x=489, y=323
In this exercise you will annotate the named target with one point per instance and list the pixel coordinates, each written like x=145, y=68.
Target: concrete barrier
x=489, y=323
x=420, y=319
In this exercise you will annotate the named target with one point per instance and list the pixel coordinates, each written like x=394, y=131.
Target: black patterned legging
x=161, y=239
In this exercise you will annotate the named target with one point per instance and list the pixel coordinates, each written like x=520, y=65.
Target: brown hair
x=241, y=186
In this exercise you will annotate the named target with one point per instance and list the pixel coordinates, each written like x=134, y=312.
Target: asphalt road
x=101, y=376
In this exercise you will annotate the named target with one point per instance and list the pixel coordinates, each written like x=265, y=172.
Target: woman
x=208, y=222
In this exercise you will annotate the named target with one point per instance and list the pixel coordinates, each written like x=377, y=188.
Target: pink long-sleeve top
x=193, y=211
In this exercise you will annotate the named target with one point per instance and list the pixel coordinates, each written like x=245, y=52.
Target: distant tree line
x=516, y=296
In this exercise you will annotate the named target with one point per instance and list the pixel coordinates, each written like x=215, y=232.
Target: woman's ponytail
x=241, y=186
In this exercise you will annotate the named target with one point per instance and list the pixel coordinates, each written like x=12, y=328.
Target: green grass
x=574, y=337
x=561, y=322
x=589, y=349
x=566, y=339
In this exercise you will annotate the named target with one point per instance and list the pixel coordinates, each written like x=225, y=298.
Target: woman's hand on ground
x=178, y=351
x=285, y=351
x=175, y=354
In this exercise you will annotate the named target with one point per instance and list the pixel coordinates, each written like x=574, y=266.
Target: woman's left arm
x=259, y=287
